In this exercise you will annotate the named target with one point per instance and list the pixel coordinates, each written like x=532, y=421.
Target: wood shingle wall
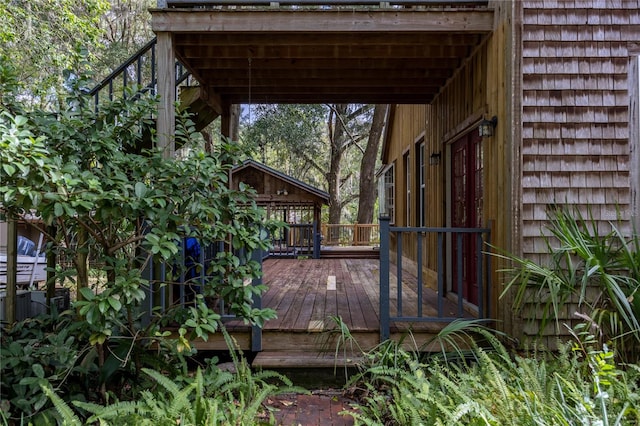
x=577, y=144
x=575, y=111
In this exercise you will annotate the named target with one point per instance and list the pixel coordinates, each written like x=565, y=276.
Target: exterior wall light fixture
x=487, y=127
x=434, y=158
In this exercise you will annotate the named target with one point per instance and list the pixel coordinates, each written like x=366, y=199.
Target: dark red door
x=466, y=199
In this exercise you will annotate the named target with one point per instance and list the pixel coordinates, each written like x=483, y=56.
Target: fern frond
x=169, y=385
x=68, y=417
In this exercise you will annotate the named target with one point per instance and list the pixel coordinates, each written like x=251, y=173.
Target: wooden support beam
x=365, y=21
x=12, y=271
x=51, y=275
x=317, y=39
x=166, y=124
x=229, y=121
x=360, y=51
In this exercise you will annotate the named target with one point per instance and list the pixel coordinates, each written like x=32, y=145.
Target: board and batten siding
x=481, y=87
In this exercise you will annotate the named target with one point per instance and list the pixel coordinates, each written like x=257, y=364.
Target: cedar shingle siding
x=575, y=109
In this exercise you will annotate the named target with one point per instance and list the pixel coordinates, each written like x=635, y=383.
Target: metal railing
x=358, y=234
x=450, y=263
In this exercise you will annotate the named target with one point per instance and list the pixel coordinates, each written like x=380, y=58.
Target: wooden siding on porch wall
x=480, y=87
x=408, y=128
x=483, y=87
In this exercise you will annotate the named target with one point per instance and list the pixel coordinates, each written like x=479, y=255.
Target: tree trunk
x=368, y=167
x=337, y=137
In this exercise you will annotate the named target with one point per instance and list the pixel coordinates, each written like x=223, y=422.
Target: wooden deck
x=307, y=293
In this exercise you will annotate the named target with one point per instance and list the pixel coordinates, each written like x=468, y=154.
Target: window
x=407, y=171
x=421, y=185
x=386, y=192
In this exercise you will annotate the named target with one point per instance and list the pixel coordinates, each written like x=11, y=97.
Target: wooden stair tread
x=286, y=359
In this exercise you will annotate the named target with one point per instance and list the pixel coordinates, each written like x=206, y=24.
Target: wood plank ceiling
x=324, y=55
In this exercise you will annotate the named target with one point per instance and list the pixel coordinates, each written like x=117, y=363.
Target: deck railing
x=359, y=234
x=322, y=3
x=136, y=76
x=450, y=265
x=297, y=239
x=175, y=285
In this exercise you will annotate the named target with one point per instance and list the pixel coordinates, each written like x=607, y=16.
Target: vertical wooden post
x=316, y=239
x=226, y=122
x=384, y=278
x=256, y=331
x=166, y=124
x=479, y=274
x=12, y=271
x=51, y=274
x=355, y=234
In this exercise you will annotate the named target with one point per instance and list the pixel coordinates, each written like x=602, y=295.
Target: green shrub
x=599, y=269
x=579, y=385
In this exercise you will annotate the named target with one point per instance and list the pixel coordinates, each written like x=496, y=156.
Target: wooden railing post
x=317, y=237
x=256, y=331
x=384, y=278
x=355, y=234
x=166, y=122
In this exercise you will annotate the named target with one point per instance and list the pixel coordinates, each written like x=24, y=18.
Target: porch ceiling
x=324, y=55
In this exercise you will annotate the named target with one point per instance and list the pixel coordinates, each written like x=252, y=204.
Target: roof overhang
x=324, y=55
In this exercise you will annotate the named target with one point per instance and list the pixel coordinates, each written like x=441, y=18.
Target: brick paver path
x=319, y=408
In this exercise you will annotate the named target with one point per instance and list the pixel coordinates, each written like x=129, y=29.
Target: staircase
x=138, y=75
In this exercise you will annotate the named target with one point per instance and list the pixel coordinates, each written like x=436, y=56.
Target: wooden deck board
x=356, y=296
x=344, y=310
x=297, y=290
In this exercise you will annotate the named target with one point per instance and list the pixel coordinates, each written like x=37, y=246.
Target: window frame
x=386, y=192
x=421, y=184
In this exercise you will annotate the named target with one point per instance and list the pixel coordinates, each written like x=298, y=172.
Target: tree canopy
x=43, y=37
x=321, y=144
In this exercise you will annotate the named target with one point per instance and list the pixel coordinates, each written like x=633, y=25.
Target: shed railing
x=296, y=239
x=449, y=264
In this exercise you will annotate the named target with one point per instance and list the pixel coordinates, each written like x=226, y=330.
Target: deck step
x=282, y=359
x=350, y=254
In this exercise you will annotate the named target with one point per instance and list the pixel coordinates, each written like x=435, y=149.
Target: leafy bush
x=43, y=351
x=103, y=190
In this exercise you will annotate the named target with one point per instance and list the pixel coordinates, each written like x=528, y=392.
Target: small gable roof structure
x=276, y=187
x=289, y=200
